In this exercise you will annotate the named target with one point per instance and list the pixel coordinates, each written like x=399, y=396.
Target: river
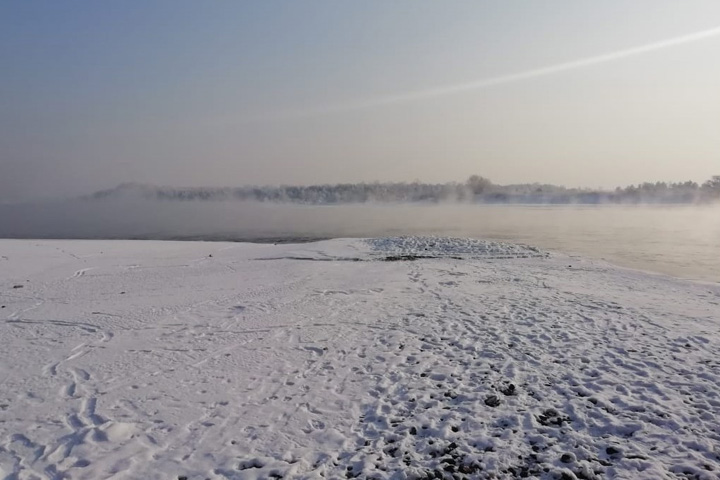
x=682, y=241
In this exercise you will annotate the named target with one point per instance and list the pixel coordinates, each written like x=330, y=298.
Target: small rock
x=18, y=286
x=612, y=451
x=469, y=468
x=508, y=390
x=552, y=418
x=413, y=431
x=492, y=401
x=567, y=458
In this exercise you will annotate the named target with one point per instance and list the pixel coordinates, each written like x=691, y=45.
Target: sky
x=223, y=93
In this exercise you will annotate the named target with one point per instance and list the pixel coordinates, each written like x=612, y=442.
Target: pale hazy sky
x=191, y=93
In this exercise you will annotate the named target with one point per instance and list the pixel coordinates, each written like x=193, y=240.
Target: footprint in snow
x=316, y=351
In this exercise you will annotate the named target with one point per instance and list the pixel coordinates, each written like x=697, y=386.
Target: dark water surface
x=678, y=240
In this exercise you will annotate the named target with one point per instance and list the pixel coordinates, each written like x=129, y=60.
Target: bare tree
x=478, y=184
x=712, y=186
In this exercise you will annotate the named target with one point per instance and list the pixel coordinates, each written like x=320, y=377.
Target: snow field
x=213, y=360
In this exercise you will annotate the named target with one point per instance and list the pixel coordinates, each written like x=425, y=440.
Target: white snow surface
x=167, y=360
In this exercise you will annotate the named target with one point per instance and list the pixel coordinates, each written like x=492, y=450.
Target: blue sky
x=228, y=93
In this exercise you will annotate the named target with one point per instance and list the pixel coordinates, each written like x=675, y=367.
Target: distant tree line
x=476, y=189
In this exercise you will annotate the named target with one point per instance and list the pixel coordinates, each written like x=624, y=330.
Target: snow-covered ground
x=351, y=359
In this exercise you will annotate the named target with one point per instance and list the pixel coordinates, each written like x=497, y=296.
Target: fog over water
x=590, y=95
x=678, y=240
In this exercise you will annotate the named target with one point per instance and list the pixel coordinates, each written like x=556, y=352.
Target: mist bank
x=475, y=190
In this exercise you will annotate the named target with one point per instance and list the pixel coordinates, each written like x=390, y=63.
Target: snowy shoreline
x=157, y=359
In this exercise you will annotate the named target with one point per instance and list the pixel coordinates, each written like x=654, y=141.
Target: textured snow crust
x=164, y=360
x=450, y=247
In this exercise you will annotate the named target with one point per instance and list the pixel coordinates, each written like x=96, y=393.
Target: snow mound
x=442, y=247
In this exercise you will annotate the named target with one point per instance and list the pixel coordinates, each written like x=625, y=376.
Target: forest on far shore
x=476, y=189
